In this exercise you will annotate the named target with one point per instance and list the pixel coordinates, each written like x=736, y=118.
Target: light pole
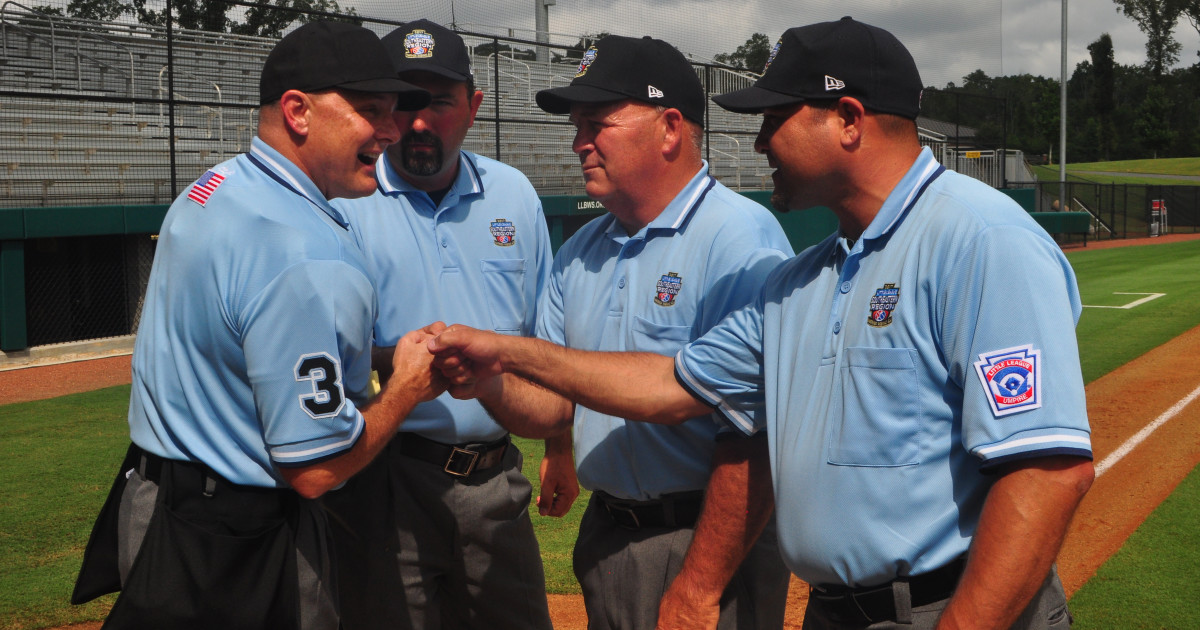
x=542, y=24
x=1062, y=118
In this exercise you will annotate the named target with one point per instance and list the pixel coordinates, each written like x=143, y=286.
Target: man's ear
x=853, y=115
x=296, y=107
x=674, y=131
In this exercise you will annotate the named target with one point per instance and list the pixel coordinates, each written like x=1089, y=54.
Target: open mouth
x=367, y=158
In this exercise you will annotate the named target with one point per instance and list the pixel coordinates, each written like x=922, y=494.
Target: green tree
x=751, y=55
x=268, y=19
x=1103, y=86
x=102, y=10
x=1156, y=18
x=1154, y=120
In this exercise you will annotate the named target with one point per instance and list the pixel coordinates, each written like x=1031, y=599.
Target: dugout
x=79, y=273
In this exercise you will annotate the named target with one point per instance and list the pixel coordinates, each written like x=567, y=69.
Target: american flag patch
x=205, y=187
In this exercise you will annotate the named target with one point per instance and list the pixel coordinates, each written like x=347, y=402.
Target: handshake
x=438, y=358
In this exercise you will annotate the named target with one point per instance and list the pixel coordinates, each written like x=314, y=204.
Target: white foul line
x=1132, y=442
x=1150, y=296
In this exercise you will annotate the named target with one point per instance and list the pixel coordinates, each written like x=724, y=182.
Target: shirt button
x=443, y=242
x=837, y=327
x=846, y=287
x=621, y=283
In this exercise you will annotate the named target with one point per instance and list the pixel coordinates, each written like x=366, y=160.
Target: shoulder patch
x=205, y=187
x=1010, y=378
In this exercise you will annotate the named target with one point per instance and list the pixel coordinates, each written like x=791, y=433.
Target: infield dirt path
x=1120, y=405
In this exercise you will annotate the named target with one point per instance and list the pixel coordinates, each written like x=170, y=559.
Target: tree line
x=267, y=18
x=1114, y=111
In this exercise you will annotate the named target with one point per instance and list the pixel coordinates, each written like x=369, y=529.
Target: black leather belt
x=458, y=460
x=878, y=603
x=680, y=509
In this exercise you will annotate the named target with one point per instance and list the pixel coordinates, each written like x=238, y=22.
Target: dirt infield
x=1120, y=405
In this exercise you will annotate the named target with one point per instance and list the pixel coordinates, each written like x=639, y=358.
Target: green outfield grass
x=1092, y=171
x=58, y=458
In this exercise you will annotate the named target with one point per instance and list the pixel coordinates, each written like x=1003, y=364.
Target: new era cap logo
x=654, y=92
x=833, y=84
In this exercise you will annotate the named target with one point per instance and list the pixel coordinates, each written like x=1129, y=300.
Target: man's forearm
x=524, y=408
x=634, y=385
x=738, y=504
x=1024, y=520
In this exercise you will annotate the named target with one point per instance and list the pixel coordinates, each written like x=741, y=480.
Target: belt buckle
x=460, y=471
x=637, y=524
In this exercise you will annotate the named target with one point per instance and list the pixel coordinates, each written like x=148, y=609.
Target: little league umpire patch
x=1010, y=378
x=667, y=289
x=504, y=233
x=882, y=305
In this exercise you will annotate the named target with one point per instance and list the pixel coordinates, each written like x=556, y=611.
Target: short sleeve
x=1009, y=308
x=724, y=368
x=550, y=311
x=307, y=338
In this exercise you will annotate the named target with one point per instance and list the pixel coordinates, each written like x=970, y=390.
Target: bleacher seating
x=77, y=129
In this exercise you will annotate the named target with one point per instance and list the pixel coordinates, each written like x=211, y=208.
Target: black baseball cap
x=830, y=60
x=616, y=68
x=428, y=46
x=324, y=55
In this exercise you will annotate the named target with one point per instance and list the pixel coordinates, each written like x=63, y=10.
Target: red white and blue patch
x=205, y=187
x=667, y=288
x=882, y=304
x=1010, y=378
x=504, y=233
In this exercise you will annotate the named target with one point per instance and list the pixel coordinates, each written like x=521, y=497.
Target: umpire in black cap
x=251, y=373
x=675, y=252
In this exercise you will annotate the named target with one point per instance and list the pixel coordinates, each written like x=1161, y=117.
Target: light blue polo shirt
x=481, y=258
x=704, y=256
x=896, y=370
x=255, y=338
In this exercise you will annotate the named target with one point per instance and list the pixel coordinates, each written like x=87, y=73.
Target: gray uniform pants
x=1047, y=611
x=624, y=574
x=315, y=597
x=420, y=549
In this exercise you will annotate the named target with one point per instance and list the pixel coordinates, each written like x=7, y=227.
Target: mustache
x=423, y=137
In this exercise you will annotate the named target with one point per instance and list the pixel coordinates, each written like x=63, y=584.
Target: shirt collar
x=284, y=171
x=467, y=182
x=923, y=171
x=681, y=207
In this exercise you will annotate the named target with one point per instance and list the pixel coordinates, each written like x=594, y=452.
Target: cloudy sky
x=948, y=38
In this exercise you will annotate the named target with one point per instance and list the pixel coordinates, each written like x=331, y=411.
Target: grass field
x=1188, y=167
x=58, y=457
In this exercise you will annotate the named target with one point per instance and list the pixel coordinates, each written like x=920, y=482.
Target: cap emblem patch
x=589, y=58
x=1010, y=379
x=504, y=232
x=771, y=57
x=654, y=92
x=418, y=45
x=832, y=84
x=882, y=305
x=667, y=289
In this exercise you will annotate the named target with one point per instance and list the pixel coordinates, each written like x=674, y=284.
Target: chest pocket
x=880, y=421
x=662, y=339
x=504, y=279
